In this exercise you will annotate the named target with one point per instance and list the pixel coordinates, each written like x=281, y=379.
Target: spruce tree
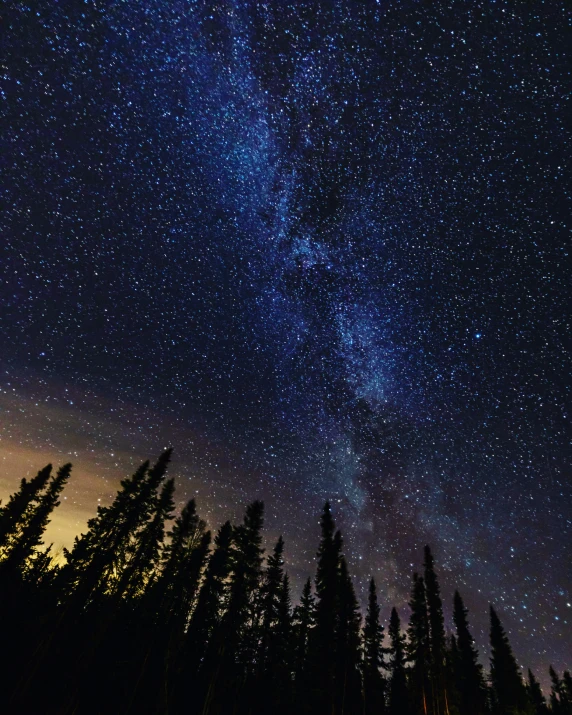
x=347, y=681
x=278, y=670
x=323, y=645
x=373, y=682
x=419, y=649
x=213, y=595
x=12, y=516
x=398, y=701
x=508, y=693
x=29, y=536
x=142, y=553
x=172, y=577
x=560, y=700
x=270, y=593
x=536, y=696
x=437, y=696
x=304, y=618
x=469, y=678
x=233, y=645
x=99, y=555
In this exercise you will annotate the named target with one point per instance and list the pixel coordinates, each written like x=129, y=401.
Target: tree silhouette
x=373, y=682
x=508, y=696
x=468, y=671
x=151, y=622
x=398, y=701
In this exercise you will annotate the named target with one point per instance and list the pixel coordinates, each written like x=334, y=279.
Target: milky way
x=322, y=249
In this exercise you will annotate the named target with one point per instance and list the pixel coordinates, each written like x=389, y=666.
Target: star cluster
x=321, y=248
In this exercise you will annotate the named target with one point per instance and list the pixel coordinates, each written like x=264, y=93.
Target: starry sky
x=322, y=249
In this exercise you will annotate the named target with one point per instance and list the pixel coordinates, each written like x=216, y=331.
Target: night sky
x=321, y=248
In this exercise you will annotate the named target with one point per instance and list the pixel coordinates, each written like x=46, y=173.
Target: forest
x=149, y=612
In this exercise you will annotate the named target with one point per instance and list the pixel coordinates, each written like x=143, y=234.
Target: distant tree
x=373, y=681
x=508, y=693
x=469, y=677
x=12, y=516
x=419, y=649
x=398, y=701
x=536, y=696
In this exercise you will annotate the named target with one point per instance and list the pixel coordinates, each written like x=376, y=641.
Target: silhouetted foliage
x=508, y=693
x=468, y=672
x=154, y=621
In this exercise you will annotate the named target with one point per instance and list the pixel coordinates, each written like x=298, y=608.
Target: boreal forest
x=150, y=612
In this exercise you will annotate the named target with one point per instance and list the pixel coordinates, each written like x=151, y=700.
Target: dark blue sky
x=326, y=245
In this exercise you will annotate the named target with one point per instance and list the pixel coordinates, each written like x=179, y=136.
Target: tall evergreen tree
x=278, y=656
x=102, y=552
x=172, y=588
x=438, y=696
x=536, y=696
x=398, y=701
x=12, y=516
x=419, y=649
x=469, y=677
x=199, y=660
x=234, y=642
x=270, y=596
x=348, y=688
x=142, y=553
x=29, y=536
x=560, y=700
x=323, y=645
x=212, y=598
x=508, y=693
x=303, y=625
x=373, y=682
x=567, y=686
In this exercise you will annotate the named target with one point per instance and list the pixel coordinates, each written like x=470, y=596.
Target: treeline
x=141, y=617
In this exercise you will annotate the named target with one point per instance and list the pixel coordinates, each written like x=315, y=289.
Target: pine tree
x=509, y=696
x=418, y=649
x=536, y=696
x=437, y=696
x=347, y=680
x=560, y=700
x=304, y=619
x=469, y=678
x=323, y=645
x=144, y=549
x=271, y=589
x=278, y=670
x=373, y=682
x=12, y=516
x=99, y=555
x=567, y=685
x=212, y=598
x=29, y=536
x=185, y=537
x=234, y=645
x=398, y=703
